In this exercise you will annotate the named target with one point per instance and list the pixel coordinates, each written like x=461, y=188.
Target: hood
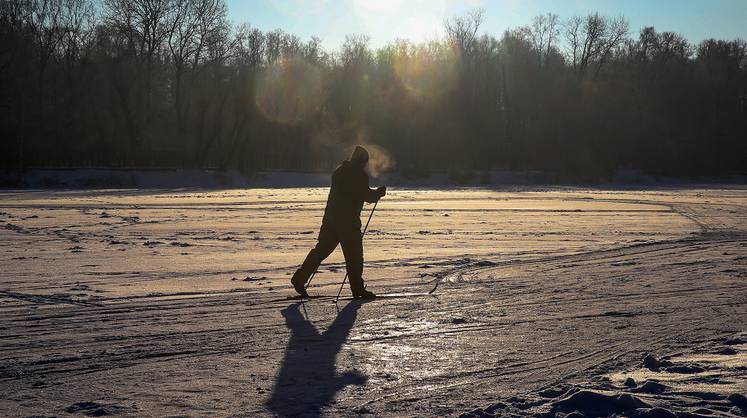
x=360, y=156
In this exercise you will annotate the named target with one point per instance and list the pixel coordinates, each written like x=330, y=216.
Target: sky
x=420, y=20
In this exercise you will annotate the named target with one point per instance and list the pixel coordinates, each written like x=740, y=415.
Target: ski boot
x=300, y=287
x=364, y=294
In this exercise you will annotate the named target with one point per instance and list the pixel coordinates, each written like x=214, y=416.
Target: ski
x=302, y=298
x=398, y=295
x=390, y=296
x=438, y=282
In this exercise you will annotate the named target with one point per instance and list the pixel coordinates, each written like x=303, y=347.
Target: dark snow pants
x=350, y=239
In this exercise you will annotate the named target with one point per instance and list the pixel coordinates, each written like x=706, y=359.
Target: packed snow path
x=173, y=302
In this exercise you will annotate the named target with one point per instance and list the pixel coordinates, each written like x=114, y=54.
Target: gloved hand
x=382, y=191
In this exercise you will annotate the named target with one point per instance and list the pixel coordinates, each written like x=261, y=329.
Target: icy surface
x=172, y=302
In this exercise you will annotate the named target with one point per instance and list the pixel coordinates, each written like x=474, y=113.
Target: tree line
x=171, y=83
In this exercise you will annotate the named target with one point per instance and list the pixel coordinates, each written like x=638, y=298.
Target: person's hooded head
x=359, y=157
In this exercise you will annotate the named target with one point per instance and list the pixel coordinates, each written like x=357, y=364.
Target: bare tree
x=12, y=20
x=249, y=46
x=615, y=35
x=256, y=44
x=543, y=35
x=312, y=51
x=725, y=57
x=182, y=34
x=355, y=51
x=78, y=20
x=292, y=46
x=196, y=29
x=591, y=40
x=462, y=30
x=671, y=45
x=273, y=45
x=44, y=19
x=145, y=25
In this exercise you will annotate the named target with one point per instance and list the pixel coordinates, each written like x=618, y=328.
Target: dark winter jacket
x=346, y=196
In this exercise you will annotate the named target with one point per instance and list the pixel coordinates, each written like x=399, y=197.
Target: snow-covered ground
x=173, y=302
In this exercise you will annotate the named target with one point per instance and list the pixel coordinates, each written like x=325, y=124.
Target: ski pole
x=310, y=279
x=362, y=235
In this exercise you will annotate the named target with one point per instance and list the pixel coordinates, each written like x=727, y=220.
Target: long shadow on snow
x=307, y=380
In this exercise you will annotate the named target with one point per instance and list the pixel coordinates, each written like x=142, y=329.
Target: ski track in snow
x=173, y=302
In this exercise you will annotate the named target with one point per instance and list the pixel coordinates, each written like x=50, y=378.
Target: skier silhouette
x=308, y=379
x=342, y=224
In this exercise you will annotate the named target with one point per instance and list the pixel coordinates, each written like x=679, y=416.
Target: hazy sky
x=385, y=20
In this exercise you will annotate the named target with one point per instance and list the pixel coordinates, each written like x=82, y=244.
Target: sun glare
x=377, y=6
x=289, y=91
x=428, y=71
x=417, y=20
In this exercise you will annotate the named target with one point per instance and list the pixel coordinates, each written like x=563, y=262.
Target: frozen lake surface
x=172, y=302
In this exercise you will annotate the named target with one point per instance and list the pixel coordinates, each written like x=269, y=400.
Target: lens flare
x=427, y=71
x=290, y=91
